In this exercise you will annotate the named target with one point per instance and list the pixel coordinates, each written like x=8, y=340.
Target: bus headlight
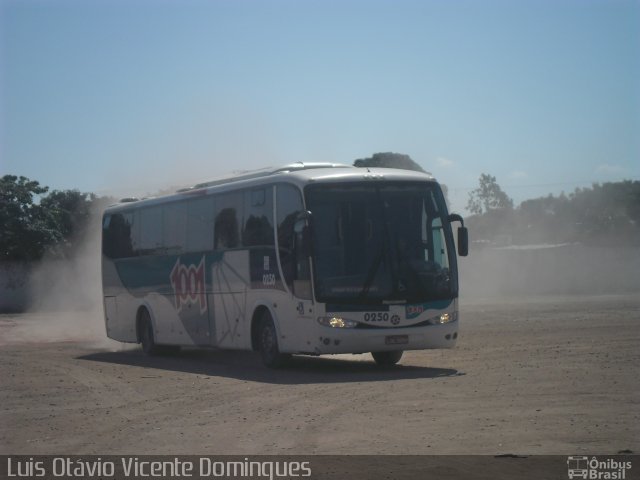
x=336, y=322
x=444, y=318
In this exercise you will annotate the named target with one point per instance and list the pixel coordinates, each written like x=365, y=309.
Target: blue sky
x=129, y=96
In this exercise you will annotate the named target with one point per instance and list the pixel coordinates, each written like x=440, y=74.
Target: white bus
x=305, y=259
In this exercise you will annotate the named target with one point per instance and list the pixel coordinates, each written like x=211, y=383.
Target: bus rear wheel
x=146, y=334
x=387, y=359
x=268, y=344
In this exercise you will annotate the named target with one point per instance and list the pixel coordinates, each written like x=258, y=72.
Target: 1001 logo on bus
x=188, y=285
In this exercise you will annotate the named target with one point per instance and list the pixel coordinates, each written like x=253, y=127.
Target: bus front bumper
x=359, y=340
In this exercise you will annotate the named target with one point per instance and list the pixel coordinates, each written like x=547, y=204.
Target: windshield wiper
x=371, y=274
x=373, y=270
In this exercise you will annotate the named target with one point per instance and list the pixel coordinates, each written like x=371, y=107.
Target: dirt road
x=536, y=376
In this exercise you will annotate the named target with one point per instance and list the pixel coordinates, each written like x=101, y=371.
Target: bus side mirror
x=463, y=235
x=463, y=241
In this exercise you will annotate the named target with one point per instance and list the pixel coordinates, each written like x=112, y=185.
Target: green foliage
x=389, y=160
x=607, y=209
x=604, y=214
x=27, y=228
x=546, y=220
x=71, y=212
x=488, y=196
x=55, y=224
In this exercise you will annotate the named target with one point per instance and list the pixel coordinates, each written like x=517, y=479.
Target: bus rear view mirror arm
x=454, y=217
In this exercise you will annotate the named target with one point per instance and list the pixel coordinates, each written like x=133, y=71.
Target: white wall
x=14, y=286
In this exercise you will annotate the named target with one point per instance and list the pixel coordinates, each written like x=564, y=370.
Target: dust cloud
x=534, y=270
x=65, y=298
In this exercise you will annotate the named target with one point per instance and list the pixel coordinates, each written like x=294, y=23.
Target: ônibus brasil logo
x=597, y=469
x=188, y=285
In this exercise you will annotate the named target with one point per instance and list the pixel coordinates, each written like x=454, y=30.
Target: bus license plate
x=396, y=339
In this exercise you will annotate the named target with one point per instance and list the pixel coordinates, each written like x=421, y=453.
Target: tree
x=604, y=214
x=547, y=219
x=608, y=213
x=55, y=224
x=71, y=212
x=488, y=196
x=27, y=228
x=389, y=160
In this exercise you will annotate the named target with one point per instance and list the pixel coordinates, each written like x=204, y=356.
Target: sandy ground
x=537, y=376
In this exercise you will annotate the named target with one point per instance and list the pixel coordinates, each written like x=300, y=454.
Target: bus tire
x=387, y=359
x=146, y=334
x=268, y=344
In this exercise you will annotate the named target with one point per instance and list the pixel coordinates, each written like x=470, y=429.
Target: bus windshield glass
x=381, y=243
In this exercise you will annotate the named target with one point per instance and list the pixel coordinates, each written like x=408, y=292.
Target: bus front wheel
x=146, y=334
x=268, y=344
x=387, y=359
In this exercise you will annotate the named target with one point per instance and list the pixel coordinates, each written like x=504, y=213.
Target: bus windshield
x=381, y=243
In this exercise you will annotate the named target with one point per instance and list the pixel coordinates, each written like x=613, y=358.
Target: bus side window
x=200, y=224
x=258, y=217
x=227, y=226
x=151, y=231
x=174, y=235
x=288, y=206
x=110, y=236
x=133, y=221
x=302, y=280
x=117, y=235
